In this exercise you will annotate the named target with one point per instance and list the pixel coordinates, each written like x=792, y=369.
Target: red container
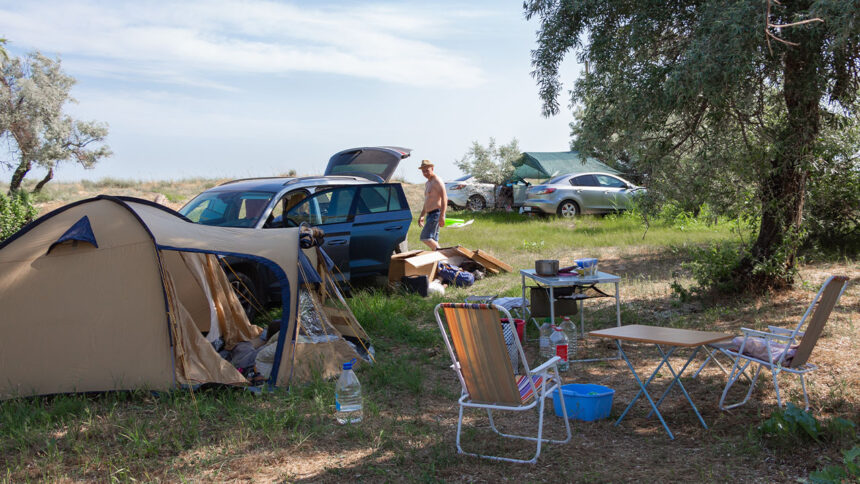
x=520, y=325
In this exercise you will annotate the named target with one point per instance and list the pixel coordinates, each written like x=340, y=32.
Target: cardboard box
x=414, y=263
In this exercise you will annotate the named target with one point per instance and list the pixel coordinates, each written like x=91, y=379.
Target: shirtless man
x=435, y=203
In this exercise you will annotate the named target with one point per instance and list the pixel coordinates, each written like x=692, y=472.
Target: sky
x=233, y=89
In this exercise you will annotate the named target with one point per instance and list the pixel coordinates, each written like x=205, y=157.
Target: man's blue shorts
x=431, y=226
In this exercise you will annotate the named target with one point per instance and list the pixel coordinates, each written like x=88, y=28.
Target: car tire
x=244, y=289
x=568, y=209
x=476, y=203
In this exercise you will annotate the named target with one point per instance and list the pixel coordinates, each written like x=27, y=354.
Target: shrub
x=793, y=425
x=16, y=210
x=713, y=267
x=832, y=216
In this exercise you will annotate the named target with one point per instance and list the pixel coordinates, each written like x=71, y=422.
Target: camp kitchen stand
x=585, y=282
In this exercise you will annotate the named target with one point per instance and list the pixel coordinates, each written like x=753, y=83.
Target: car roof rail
x=253, y=178
x=324, y=177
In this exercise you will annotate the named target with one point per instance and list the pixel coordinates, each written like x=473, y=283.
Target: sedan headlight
x=457, y=187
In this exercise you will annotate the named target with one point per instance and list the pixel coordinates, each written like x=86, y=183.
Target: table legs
x=643, y=387
x=677, y=378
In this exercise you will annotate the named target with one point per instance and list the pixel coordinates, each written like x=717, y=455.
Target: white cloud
x=193, y=42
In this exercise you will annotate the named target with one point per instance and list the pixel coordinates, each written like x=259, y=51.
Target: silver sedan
x=581, y=193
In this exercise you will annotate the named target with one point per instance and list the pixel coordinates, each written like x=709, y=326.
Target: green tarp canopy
x=542, y=165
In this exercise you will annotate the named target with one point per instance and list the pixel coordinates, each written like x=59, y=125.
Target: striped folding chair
x=483, y=365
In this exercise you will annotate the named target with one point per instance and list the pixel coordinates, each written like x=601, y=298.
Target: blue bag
x=454, y=275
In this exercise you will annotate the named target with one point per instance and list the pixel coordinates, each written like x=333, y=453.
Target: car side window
x=327, y=207
x=288, y=201
x=610, y=181
x=584, y=181
x=377, y=199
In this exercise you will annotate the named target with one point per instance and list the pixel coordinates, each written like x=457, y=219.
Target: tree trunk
x=45, y=180
x=783, y=188
x=18, y=176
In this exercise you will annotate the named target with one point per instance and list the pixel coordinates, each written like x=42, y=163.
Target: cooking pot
x=546, y=267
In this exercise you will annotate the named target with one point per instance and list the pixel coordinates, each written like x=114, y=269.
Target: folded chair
x=483, y=365
x=776, y=350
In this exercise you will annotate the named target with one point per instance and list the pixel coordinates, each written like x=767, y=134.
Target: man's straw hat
x=425, y=164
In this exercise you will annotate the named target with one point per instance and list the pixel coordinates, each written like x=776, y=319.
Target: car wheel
x=568, y=209
x=244, y=289
x=477, y=203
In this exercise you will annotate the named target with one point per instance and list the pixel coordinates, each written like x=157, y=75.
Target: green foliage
x=832, y=210
x=491, y=164
x=33, y=90
x=700, y=98
x=712, y=267
x=15, y=212
x=792, y=426
x=836, y=474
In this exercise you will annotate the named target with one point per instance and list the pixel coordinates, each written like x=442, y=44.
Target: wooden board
x=489, y=261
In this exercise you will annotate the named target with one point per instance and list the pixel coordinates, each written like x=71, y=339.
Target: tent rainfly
x=543, y=165
x=116, y=293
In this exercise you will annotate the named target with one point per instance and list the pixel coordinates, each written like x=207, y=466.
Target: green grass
x=505, y=232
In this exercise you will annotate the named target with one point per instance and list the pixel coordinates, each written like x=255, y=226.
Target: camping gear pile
x=118, y=293
x=424, y=271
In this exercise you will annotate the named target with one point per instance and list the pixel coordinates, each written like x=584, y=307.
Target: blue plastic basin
x=584, y=401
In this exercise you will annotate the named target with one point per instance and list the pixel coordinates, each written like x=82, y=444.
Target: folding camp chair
x=483, y=365
x=778, y=351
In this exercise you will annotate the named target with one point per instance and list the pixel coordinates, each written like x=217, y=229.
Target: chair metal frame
x=826, y=300
x=550, y=382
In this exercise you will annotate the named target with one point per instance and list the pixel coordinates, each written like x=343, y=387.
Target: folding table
x=588, y=282
x=659, y=337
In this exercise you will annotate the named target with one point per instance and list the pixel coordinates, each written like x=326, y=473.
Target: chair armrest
x=547, y=364
x=766, y=335
x=777, y=329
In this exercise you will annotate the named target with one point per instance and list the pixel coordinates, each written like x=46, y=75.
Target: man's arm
x=444, y=199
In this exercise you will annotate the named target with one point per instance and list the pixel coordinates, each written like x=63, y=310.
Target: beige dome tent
x=115, y=293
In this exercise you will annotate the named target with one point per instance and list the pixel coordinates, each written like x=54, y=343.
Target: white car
x=466, y=192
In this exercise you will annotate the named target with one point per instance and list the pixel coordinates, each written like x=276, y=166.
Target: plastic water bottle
x=558, y=340
x=545, y=332
x=347, y=396
x=572, y=335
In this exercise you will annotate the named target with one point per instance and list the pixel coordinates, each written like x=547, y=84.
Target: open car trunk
x=374, y=163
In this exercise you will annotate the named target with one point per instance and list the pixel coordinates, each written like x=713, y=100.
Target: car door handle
x=337, y=242
x=390, y=229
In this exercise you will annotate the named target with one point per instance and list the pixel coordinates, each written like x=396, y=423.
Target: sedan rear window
x=584, y=181
x=227, y=209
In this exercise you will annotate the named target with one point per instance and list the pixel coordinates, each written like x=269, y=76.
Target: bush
x=16, y=210
x=832, y=218
x=713, y=267
x=793, y=426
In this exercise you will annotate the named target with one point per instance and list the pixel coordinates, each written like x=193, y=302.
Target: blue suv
x=364, y=217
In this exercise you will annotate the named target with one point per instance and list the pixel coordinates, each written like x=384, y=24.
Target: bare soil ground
x=409, y=436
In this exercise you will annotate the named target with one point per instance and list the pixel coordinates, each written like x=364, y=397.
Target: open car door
x=374, y=163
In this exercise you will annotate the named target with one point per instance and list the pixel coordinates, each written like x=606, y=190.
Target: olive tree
x=33, y=91
x=740, y=89
x=492, y=163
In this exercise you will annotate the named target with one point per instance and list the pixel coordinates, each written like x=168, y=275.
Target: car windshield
x=557, y=180
x=463, y=178
x=227, y=208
